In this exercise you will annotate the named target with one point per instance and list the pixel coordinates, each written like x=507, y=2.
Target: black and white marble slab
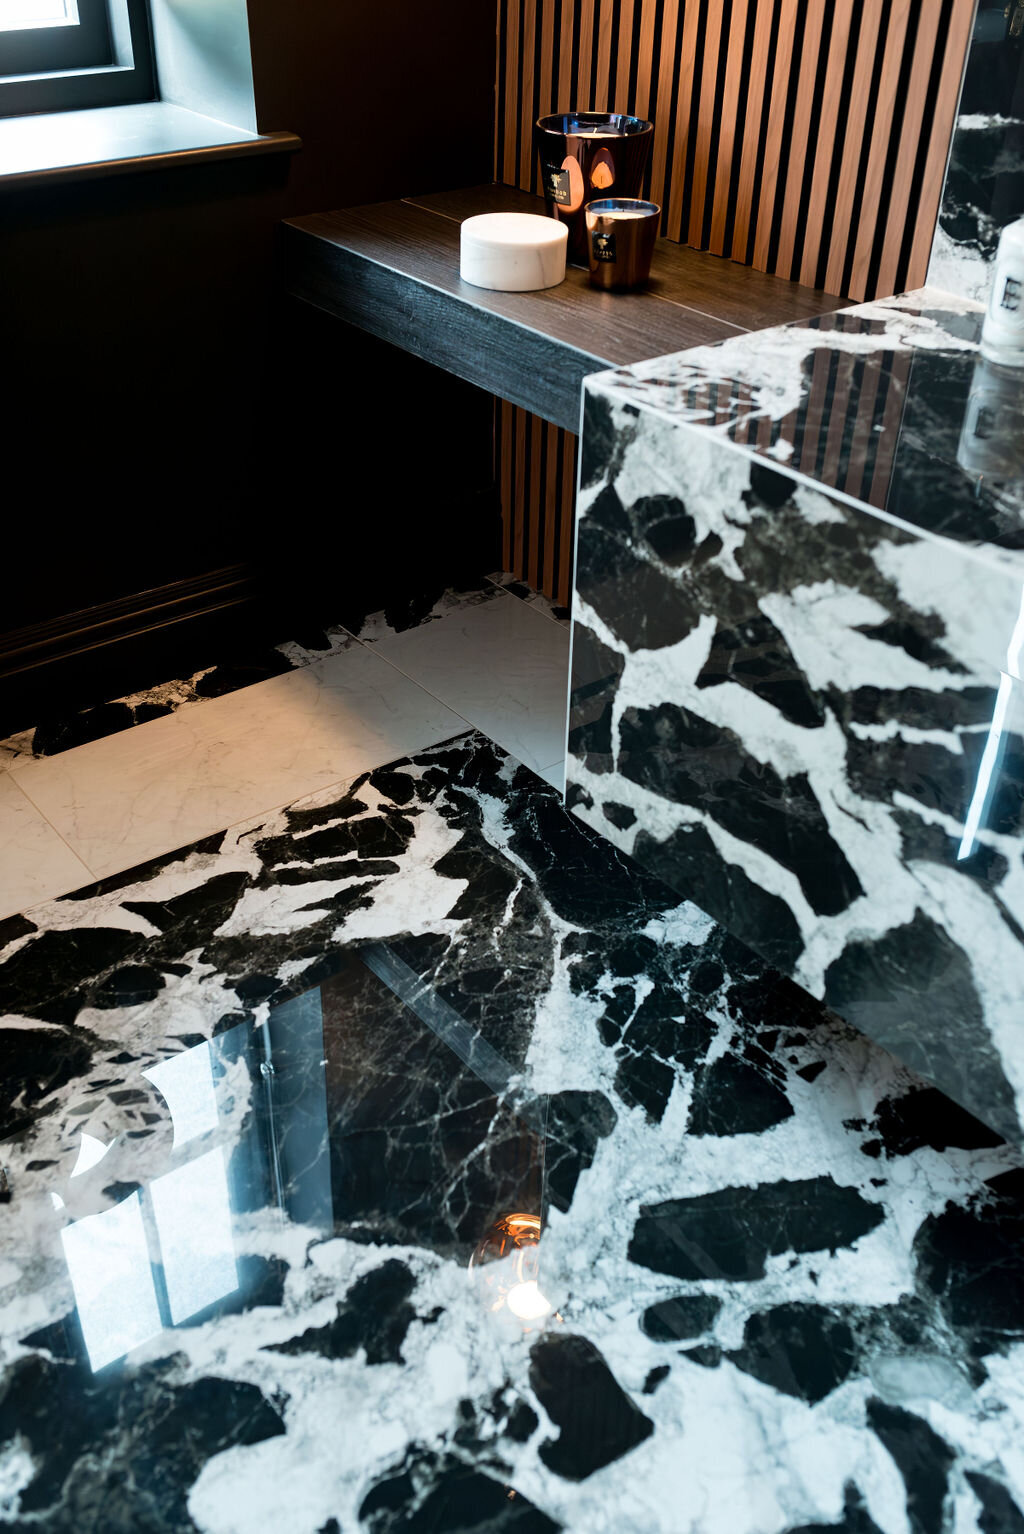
x=266, y=1097
x=796, y=669
x=984, y=187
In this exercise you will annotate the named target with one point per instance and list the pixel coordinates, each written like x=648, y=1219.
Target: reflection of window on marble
x=111, y=1257
x=193, y=1220
x=185, y=1082
x=108, y=1259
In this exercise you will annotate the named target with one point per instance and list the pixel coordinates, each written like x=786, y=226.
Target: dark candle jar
x=584, y=155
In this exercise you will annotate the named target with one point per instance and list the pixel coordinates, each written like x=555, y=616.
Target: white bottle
x=1002, y=336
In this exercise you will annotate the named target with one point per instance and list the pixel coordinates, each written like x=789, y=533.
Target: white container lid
x=513, y=252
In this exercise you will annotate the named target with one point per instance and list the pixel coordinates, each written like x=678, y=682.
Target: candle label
x=604, y=247
x=556, y=185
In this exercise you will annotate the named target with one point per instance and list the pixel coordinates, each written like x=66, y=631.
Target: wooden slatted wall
x=803, y=137
x=535, y=470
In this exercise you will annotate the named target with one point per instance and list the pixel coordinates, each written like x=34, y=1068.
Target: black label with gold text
x=604, y=247
x=556, y=185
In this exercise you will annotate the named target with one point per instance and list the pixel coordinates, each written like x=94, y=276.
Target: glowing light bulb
x=527, y=1302
x=507, y=1256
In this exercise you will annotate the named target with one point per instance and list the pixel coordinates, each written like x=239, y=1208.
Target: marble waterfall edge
x=783, y=696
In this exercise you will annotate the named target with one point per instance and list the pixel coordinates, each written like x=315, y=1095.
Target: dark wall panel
x=166, y=420
x=389, y=99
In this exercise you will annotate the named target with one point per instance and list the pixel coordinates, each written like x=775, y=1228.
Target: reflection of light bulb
x=527, y=1302
x=508, y=1257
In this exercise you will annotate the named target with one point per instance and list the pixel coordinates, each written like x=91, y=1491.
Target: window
x=57, y=55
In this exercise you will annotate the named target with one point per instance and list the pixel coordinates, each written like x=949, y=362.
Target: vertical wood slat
x=757, y=181
x=913, y=130
x=687, y=83
x=621, y=101
x=827, y=128
x=776, y=127
x=705, y=122
x=800, y=135
x=585, y=51
x=662, y=120
x=881, y=129
x=728, y=124
x=513, y=102
x=646, y=63
x=748, y=158
x=860, y=91
x=551, y=507
x=529, y=52
x=535, y=505
x=566, y=84
x=522, y=420
x=504, y=477
x=604, y=85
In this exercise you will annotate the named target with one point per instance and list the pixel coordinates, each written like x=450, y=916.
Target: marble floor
x=408, y=1161
x=488, y=659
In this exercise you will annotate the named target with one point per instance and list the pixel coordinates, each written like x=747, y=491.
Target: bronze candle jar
x=621, y=232
x=584, y=155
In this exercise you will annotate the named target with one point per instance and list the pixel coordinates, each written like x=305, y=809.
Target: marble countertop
x=869, y=403
x=796, y=665
x=266, y=1097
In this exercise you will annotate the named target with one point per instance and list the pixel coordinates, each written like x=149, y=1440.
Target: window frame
x=109, y=63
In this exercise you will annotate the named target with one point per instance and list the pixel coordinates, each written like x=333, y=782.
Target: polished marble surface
x=872, y=403
x=796, y=669
x=266, y=1098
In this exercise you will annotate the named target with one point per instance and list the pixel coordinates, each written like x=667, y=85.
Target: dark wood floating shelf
x=393, y=269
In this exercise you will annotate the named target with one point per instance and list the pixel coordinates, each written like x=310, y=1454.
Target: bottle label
x=604, y=247
x=556, y=185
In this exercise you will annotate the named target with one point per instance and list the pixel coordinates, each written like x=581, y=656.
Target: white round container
x=513, y=252
x=1002, y=337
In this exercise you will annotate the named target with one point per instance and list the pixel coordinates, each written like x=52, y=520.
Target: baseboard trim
x=125, y=618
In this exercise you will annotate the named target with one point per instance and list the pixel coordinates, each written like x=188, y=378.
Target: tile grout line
x=371, y=645
x=62, y=839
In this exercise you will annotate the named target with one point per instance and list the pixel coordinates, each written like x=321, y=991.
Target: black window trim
x=117, y=39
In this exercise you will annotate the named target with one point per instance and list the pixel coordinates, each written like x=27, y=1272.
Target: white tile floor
x=503, y=666
x=100, y=808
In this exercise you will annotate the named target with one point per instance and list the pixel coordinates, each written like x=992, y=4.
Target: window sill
x=111, y=141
